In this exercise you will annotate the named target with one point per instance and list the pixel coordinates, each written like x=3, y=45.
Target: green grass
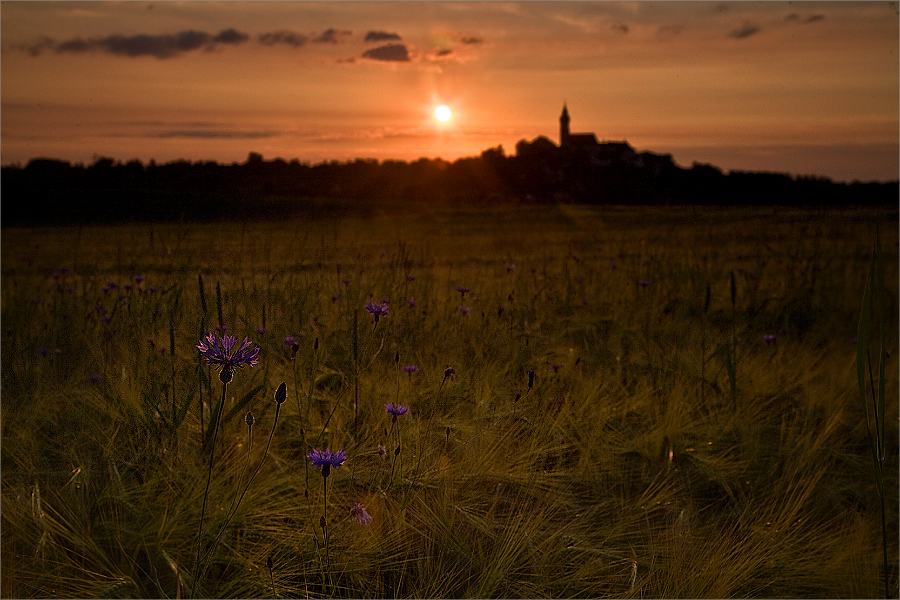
x=637, y=469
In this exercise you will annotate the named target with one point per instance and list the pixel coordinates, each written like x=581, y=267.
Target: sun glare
x=442, y=113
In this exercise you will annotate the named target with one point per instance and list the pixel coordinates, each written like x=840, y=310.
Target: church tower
x=564, y=127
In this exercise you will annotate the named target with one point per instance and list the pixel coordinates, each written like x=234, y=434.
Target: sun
x=442, y=113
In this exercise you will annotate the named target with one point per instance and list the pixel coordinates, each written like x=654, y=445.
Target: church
x=605, y=154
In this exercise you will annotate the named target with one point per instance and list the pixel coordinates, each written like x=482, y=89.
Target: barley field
x=554, y=401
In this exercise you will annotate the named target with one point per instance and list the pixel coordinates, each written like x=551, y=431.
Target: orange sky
x=804, y=88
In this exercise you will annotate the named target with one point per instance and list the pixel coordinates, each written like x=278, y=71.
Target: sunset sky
x=803, y=87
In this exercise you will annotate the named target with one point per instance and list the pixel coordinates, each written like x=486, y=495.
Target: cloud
x=38, y=46
x=621, y=28
x=439, y=54
x=744, y=31
x=214, y=134
x=809, y=19
x=231, y=36
x=160, y=46
x=330, y=36
x=471, y=40
x=288, y=38
x=381, y=36
x=391, y=52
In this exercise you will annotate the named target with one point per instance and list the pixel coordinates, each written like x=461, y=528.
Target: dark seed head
x=316, y=344
x=269, y=562
x=250, y=419
x=322, y=522
x=226, y=374
x=281, y=393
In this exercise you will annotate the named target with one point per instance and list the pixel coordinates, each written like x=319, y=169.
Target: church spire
x=564, y=126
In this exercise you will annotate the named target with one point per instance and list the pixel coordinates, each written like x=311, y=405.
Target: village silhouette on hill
x=578, y=170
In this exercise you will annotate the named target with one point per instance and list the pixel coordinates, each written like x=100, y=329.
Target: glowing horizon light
x=442, y=113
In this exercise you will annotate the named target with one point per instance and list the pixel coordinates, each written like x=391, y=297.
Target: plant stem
x=212, y=457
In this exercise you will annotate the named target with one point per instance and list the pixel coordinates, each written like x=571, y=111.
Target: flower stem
x=212, y=457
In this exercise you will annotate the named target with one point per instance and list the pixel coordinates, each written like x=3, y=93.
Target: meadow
x=602, y=402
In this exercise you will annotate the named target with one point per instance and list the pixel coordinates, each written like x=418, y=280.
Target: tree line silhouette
x=48, y=191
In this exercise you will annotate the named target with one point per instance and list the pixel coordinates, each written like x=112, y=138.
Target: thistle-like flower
x=221, y=352
x=326, y=459
x=360, y=513
x=396, y=409
x=411, y=369
x=378, y=309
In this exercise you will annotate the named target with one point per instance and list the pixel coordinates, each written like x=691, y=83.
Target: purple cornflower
x=44, y=351
x=555, y=367
x=411, y=369
x=221, y=352
x=378, y=309
x=290, y=340
x=463, y=290
x=360, y=513
x=326, y=459
x=643, y=283
x=412, y=303
x=260, y=331
x=96, y=378
x=464, y=310
x=410, y=277
x=769, y=338
x=396, y=409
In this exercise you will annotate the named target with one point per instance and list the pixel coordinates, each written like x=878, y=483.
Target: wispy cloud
x=165, y=46
x=744, y=31
x=288, y=38
x=809, y=19
x=381, y=36
x=214, y=134
x=159, y=46
x=440, y=54
x=390, y=53
x=331, y=36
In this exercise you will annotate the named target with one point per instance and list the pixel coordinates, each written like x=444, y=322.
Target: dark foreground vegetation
x=532, y=402
x=51, y=191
